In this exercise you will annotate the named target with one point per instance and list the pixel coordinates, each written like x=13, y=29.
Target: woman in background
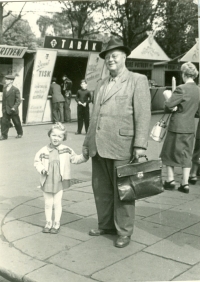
x=178, y=145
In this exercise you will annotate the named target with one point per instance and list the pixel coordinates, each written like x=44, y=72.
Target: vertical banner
x=40, y=84
x=199, y=35
x=94, y=70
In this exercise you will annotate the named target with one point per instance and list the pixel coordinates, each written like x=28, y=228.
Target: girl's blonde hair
x=60, y=126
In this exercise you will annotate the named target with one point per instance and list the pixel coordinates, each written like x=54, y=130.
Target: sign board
x=94, y=70
x=40, y=84
x=138, y=65
x=172, y=67
x=63, y=43
x=12, y=51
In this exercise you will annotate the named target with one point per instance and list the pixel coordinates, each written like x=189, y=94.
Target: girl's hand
x=44, y=172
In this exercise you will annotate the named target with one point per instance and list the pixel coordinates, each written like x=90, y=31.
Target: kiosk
x=76, y=58
x=142, y=60
x=12, y=62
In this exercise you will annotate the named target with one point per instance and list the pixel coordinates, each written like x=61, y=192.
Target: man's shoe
x=183, y=188
x=169, y=185
x=3, y=138
x=18, y=136
x=122, y=241
x=77, y=133
x=98, y=232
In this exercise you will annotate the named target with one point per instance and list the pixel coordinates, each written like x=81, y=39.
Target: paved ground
x=165, y=245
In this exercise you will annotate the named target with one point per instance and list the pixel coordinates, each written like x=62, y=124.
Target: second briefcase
x=139, y=180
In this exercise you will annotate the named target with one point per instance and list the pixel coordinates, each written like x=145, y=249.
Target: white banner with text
x=40, y=84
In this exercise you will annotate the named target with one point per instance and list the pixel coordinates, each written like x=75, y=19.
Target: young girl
x=53, y=164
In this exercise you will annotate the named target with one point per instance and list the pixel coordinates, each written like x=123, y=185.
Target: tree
x=177, y=34
x=20, y=34
x=15, y=19
x=130, y=19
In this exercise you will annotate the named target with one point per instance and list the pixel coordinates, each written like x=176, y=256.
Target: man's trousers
x=83, y=117
x=112, y=213
x=58, y=111
x=5, y=124
x=67, y=110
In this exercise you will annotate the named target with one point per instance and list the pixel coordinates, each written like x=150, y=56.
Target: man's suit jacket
x=120, y=122
x=11, y=99
x=55, y=92
x=187, y=98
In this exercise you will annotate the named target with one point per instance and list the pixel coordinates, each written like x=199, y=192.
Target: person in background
x=53, y=164
x=57, y=101
x=66, y=87
x=117, y=134
x=195, y=157
x=83, y=98
x=10, y=104
x=178, y=145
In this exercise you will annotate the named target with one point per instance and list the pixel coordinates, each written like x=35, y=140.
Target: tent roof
x=149, y=50
x=192, y=55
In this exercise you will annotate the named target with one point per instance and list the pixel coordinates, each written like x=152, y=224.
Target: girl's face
x=56, y=137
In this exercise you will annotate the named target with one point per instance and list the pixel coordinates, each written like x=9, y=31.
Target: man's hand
x=85, y=152
x=84, y=104
x=13, y=109
x=137, y=153
x=80, y=103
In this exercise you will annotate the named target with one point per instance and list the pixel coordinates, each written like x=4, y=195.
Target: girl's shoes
x=56, y=228
x=192, y=180
x=184, y=188
x=47, y=227
x=168, y=185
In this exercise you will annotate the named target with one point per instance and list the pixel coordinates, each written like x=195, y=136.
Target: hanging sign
x=40, y=84
x=94, y=70
x=54, y=42
x=12, y=51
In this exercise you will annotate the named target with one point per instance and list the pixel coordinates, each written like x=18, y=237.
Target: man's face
x=8, y=81
x=64, y=77
x=115, y=60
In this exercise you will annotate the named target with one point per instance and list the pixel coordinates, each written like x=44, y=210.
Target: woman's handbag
x=160, y=128
x=139, y=180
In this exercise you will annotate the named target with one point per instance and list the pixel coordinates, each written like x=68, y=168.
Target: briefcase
x=139, y=180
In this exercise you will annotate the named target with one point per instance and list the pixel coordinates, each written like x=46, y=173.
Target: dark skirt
x=177, y=149
x=196, y=153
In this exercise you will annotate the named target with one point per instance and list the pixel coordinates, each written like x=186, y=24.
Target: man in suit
x=117, y=134
x=57, y=101
x=67, y=93
x=10, y=103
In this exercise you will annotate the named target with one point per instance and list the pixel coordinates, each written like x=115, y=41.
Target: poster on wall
x=94, y=70
x=18, y=71
x=40, y=84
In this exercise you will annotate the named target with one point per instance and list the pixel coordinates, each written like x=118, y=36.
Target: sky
x=33, y=10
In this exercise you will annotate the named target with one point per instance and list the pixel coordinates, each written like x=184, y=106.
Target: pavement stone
x=83, y=208
x=192, y=274
x=77, y=196
x=149, y=233
x=54, y=273
x=51, y=245
x=141, y=267
x=90, y=256
x=180, y=247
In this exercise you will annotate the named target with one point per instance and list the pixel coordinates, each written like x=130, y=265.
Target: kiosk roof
x=192, y=55
x=149, y=50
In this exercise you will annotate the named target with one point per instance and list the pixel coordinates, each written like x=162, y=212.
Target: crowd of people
x=117, y=134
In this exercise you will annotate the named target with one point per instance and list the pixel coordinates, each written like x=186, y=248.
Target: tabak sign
x=62, y=43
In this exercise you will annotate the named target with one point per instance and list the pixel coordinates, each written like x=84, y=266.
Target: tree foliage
x=130, y=19
x=19, y=34
x=179, y=27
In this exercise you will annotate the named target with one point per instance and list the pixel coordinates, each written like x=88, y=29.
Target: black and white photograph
x=99, y=141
